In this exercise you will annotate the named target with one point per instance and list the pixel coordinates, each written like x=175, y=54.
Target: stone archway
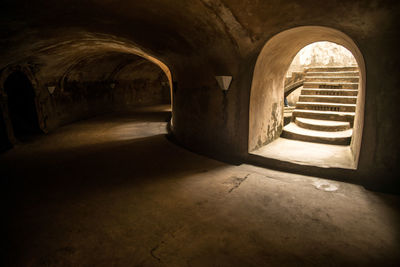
x=266, y=107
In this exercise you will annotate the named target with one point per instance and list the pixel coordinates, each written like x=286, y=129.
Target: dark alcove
x=4, y=141
x=21, y=105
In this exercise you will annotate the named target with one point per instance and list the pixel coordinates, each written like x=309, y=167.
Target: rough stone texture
x=89, y=91
x=293, y=97
x=97, y=84
x=198, y=40
x=116, y=192
x=142, y=84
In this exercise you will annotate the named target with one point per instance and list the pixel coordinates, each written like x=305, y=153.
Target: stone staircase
x=326, y=107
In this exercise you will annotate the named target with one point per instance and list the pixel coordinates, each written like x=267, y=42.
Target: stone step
x=289, y=109
x=324, y=115
x=330, y=92
x=331, y=69
x=333, y=73
x=287, y=116
x=292, y=131
x=330, y=85
x=322, y=125
x=328, y=99
x=331, y=79
x=326, y=106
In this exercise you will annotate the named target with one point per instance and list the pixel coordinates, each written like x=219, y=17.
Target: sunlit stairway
x=326, y=107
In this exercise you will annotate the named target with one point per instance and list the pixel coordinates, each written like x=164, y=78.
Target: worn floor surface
x=321, y=155
x=113, y=191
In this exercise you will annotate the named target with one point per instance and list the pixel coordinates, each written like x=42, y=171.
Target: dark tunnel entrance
x=21, y=105
x=5, y=143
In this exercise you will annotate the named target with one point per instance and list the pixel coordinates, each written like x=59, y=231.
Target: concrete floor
x=320, y=155
x=113, y=191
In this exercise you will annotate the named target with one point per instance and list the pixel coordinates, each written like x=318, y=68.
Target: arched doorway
x=21, y=105
x=266, y=114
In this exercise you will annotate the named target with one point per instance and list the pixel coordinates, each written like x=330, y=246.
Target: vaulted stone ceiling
x=175, y=29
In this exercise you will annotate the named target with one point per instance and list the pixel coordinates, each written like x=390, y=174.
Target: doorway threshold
x=307, y=153
x=323, y=160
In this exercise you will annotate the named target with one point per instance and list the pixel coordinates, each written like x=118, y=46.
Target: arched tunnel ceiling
x=207, y=37
x=110, y=67
x=102, y=67
x=159, y=28
x=168, y=29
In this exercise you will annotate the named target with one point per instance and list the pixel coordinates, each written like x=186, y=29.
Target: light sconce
x=224, y=82
x=51, y=89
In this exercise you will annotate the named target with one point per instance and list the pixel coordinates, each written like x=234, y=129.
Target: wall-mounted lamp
x=224, y=82
x=51, y=89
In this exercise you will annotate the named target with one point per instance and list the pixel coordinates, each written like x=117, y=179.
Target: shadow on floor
x=113, y=191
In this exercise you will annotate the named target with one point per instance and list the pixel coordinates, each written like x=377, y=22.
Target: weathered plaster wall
x=94, y=84
x=293, y=97
x=141, y=84
x=104, y=83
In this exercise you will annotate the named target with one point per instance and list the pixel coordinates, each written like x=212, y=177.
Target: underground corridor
x=200, y=133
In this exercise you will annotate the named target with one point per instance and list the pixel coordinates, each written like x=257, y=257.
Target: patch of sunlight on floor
x=306, y=153
x=136, y=130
